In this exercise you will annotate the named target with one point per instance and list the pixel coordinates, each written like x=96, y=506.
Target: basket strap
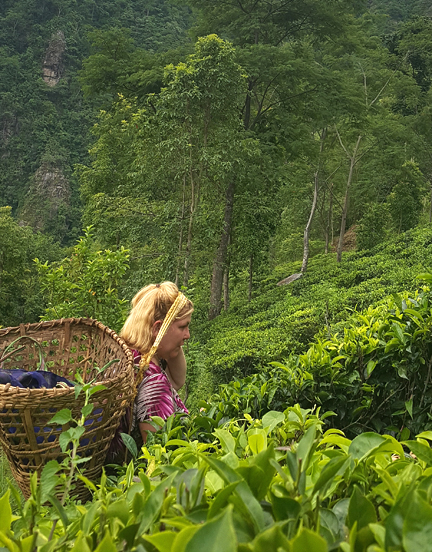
x=179, y=303
x=66, y=335
x=172, y=314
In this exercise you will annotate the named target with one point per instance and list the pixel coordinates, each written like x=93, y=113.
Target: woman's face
x=174, y=338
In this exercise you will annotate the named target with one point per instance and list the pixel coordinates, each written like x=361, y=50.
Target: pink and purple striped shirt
x=156, y=396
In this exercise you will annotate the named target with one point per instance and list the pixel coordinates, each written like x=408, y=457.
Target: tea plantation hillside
x=224, y=145
x=326, y=450
x=353, y=338
x=281, y=320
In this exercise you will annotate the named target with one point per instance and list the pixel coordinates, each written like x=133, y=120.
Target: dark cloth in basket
x=32, y=380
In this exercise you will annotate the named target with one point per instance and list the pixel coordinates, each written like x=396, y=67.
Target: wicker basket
x=67, y=346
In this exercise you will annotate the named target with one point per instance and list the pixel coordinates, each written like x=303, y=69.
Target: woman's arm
x=176, y=370
x=144, y=427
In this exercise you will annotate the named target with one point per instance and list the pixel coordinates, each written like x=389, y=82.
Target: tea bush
x=86, y=284
x=244, y=485
x=283, y=320
x=374, y=370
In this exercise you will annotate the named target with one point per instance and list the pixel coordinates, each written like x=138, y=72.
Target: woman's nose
x=187, y=334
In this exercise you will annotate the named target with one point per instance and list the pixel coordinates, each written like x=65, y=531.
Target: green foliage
x=372, y=227
x=86, y=284
x=39, y=121
x=249, y=472
x=7, y=480
x=283, y=320
x=405, y=197
x=167, y=155
x=20, y=299
x=171, y=161
x=261, y=22
x=45, y=125
x=299, y=82
x=377, y=374
x=248, y=485
x=273, y=389
x=374, y=370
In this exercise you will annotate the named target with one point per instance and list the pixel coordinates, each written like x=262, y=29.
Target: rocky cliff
x=53, y=68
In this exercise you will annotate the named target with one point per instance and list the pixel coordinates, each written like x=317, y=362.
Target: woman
x=156, y=329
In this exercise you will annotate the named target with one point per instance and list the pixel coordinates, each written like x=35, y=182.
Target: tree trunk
x=221, y=255
x=306, y=232
x=250, y=278
x=353, y=161
x=193, y=207
x=247, y=109
x=188, y=245
x=180, y=245
x=329, y=221
x=314, y=204
x=226, y=289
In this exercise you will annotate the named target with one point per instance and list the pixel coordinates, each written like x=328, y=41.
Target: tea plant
x=377, y=372
x=276, y=483
x=273, y=389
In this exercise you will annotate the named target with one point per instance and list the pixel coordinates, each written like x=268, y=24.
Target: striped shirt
x=156, y=396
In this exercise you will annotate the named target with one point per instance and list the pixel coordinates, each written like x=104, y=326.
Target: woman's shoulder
x=153, y=368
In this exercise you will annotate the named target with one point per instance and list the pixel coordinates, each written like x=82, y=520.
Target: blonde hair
x=149, y=305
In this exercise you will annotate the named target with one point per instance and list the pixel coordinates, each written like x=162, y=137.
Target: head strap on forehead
x=172, y=314
x=175, y=309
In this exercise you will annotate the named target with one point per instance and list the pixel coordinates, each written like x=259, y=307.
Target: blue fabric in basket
x=36, y=380
x=32, y=380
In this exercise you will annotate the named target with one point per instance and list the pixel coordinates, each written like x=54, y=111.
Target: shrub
x=259, y=484
x=86, y=284
x=376, y=371
x=280, y=321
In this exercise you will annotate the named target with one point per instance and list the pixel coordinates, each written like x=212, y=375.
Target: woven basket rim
x=61, y=322
x=7, y=388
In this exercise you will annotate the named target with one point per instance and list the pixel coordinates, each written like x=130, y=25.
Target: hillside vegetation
x=209, y=145
x=280, y=320
x=224, y=155
x=230, y=147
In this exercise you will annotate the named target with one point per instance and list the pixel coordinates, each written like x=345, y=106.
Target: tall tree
x=183, y=147
x=266, y=34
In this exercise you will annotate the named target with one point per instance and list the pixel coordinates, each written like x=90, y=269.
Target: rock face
x=53, y=68
x=47, y=202
x=51, y=183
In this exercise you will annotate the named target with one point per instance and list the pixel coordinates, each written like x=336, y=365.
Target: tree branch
x=341, y=143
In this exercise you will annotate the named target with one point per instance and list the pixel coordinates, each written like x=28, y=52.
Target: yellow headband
x=179, y=303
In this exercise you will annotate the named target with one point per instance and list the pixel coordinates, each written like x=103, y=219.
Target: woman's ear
x=156, y=327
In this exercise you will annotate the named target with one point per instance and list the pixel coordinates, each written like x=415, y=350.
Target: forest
x=273, y=159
